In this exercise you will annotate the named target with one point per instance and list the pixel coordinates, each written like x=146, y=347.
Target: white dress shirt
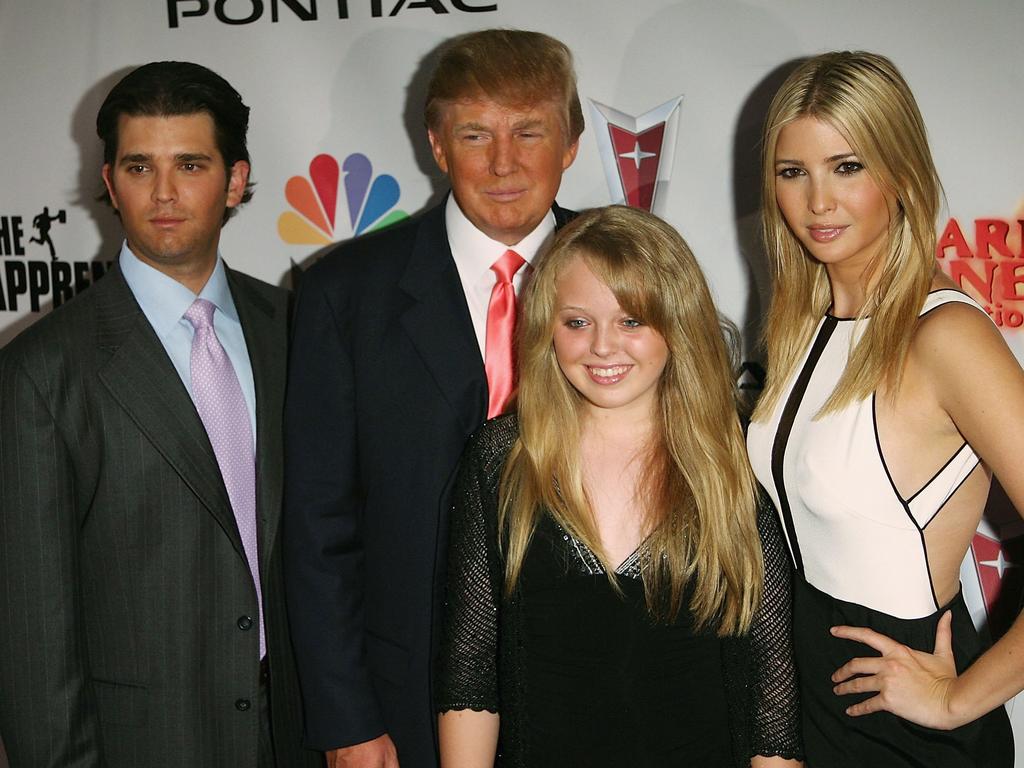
x=164, y=300
x=474, y=253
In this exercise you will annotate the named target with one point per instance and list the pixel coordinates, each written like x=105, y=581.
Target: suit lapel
x=266, y=341
x=141, y=379
x=562, y=215
x=439, y=324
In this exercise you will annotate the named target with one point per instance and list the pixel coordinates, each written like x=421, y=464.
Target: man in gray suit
x=140, y=471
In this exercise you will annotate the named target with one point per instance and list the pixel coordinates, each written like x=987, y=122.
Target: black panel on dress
x=796, y=397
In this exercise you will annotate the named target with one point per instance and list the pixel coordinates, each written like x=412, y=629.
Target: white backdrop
x=345, y=77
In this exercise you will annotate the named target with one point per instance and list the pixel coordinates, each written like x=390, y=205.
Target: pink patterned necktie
x=221, y=405
x=499, y=361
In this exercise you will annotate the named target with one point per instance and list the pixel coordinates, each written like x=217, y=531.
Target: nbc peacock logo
x=370, y=201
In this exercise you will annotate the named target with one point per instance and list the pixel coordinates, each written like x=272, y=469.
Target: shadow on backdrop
x=81, y=195
x=412, y=119
x=746, y=200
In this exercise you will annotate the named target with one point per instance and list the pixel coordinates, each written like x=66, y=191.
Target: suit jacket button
x=242, y=705
x=244, y=622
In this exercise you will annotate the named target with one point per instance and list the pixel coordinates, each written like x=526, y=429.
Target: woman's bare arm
x=469, y=739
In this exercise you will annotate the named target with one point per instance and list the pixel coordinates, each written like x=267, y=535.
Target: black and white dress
x=580, y=675
x=861, y=559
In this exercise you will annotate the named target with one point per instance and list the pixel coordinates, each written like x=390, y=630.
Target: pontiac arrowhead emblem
x=637, y=152
x=999, y=578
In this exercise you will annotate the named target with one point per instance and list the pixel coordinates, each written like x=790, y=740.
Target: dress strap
x=933, y=495
x=925, y=504
x=937, y=298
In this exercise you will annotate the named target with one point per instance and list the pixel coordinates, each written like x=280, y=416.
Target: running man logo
x=23, y=275
x=42, y=223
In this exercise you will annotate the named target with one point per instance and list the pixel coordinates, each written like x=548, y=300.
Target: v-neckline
x=630, y=567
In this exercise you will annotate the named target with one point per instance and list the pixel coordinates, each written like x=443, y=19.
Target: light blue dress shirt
x=164, y=300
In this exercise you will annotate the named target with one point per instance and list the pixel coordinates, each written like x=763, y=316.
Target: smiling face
x=831, y=203
x=504, y=163
x=170, y=186
x=610, y=357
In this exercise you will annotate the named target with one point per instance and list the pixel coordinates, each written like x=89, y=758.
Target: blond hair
x=510, y=66
x=865, y=98
x=698, y=488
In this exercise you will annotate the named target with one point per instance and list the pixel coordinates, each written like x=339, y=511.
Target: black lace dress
x=581, y=676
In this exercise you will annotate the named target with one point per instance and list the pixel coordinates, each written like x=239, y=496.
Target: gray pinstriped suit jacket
x=122, y=574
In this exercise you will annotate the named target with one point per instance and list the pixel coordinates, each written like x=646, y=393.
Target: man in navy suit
x=401, y=351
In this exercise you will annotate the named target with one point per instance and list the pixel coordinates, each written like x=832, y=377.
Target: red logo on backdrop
x=638, y=178
x=992, y=271
x=997, y=564
x=637, y=152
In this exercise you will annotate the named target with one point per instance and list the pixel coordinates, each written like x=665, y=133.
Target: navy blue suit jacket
x=386, y=383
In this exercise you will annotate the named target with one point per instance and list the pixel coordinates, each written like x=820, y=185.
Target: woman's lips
x=825, y=234
x=608, y=374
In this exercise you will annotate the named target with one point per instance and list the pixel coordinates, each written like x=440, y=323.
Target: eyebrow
x=832, y=159
x=529, y=122
x=135, y=157
x=181, y=157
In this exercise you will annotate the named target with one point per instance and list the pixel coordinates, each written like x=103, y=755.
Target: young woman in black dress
x=613, y=596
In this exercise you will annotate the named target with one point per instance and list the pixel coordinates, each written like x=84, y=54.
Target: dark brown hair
x=173, y=88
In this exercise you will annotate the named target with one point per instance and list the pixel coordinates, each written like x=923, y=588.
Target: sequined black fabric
x=482, y=660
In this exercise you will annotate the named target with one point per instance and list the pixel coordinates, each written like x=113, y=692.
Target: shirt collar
x=475, y=250
x=164, y=300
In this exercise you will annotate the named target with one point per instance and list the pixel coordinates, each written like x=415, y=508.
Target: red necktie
x=501, y=325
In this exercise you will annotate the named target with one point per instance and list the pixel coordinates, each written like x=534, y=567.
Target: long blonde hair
x=698, y=487
x=865, y=98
